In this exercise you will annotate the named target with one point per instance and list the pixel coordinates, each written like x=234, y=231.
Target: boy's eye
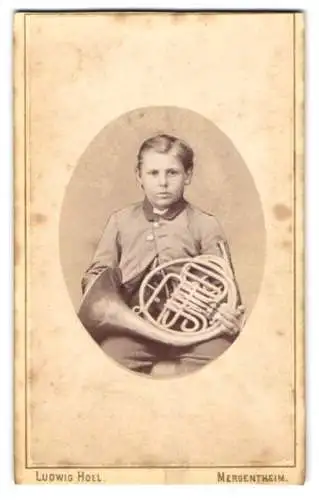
x=170, y=172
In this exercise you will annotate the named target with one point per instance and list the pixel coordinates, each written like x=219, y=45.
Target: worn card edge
x=21, y=216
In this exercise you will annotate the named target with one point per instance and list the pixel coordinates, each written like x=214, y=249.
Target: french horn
x=182, y=297
x=178, y=302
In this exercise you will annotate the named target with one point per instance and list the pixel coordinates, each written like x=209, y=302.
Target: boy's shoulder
x=128, y=211
x=199, y=213
x=203, y=222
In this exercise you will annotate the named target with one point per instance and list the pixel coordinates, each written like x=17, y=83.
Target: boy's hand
x=230, y=319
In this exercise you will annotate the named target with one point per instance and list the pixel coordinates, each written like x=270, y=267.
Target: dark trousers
x=141, y=355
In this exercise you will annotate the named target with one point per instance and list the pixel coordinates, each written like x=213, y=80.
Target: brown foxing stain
x=33, y=375
x=257, y=462
x=264, y=457
x=280, y=333
x=286, y=245
x=206, y=18
x=121, y=17
x=177, y=17
x=282, y=212
x=290, y=228
x=38, y=219
x=33, y=406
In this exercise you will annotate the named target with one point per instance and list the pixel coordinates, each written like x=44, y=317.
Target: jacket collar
x=170, y=213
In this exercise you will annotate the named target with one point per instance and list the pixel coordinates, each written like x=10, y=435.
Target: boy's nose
x=163, y=180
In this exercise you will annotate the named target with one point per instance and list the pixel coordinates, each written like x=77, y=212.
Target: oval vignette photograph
x=162, y=241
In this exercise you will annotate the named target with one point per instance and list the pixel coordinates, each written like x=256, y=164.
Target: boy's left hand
x=231, y=319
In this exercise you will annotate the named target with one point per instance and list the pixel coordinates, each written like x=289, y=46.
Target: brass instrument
x=182, y=297
x=178, y=302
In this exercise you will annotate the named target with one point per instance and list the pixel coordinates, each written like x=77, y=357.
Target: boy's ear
x=188, y=177
x=138, y=176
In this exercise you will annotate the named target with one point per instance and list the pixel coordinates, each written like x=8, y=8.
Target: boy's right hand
x=231, y=319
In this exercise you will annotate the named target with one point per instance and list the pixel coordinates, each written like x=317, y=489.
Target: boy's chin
x=162, y=205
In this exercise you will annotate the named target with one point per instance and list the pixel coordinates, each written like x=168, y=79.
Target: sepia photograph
x=159, y=293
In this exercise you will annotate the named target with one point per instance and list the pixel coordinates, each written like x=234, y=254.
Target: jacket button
x=150, y=237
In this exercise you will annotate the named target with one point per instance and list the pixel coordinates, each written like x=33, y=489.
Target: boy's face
x=163, y=178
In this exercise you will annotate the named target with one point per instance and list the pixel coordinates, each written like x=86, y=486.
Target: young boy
x=161, y=228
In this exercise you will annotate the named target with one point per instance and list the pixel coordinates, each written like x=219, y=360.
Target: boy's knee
x=127, y=351
x=203, y=353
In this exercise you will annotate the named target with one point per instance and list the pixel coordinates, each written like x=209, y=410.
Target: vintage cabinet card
x=159, y=329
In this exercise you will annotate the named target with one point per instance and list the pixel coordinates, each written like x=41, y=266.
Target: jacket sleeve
x=211, y=234
x=213, y=241
x=107, y=254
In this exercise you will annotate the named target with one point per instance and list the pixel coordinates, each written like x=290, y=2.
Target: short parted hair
x=164, y=143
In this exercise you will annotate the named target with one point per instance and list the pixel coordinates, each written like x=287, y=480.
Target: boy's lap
x=137, y=353
x=209, y=350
